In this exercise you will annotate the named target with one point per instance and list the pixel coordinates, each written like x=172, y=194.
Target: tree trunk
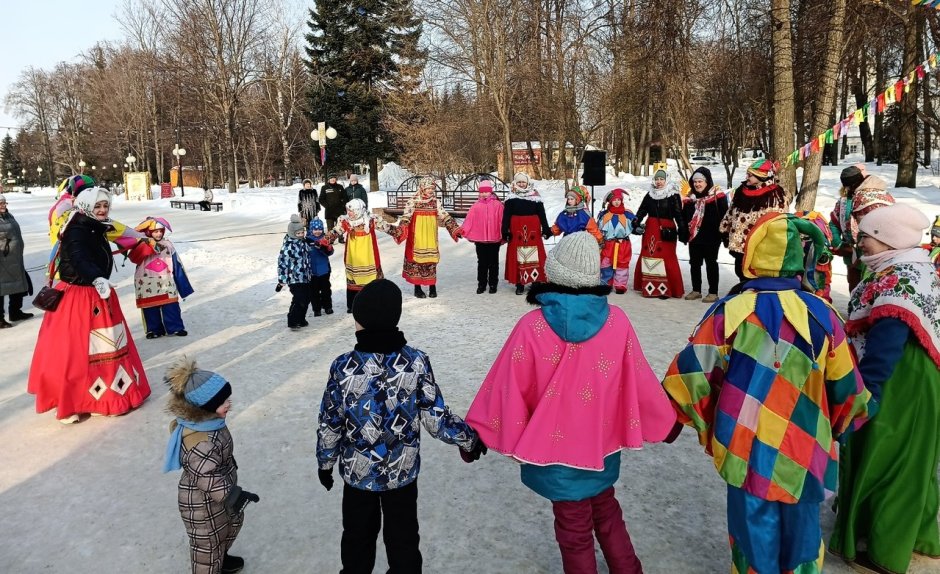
x=825, y=99
x=373, y=174
x=907, y=136
x=782, y=143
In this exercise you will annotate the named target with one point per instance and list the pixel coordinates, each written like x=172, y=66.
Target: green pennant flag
x=829, y=136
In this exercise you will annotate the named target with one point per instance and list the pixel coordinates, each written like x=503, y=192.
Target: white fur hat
x=575, y=262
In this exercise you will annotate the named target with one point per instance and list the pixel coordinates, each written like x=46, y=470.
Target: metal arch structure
x=472, y=183
x=456, y=201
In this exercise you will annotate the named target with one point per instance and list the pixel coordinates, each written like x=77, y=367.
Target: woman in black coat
x=703, y=210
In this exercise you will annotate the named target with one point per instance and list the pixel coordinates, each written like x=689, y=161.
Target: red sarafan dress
x=85, y=360
x=657, y=271
x=524, y=224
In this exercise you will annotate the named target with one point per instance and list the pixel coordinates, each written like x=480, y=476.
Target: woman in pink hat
x=482, y=228
x=888, y=494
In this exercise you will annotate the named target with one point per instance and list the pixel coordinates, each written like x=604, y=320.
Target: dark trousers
x=164, y=319
x=16, y=303
x=487, y=264
x=298, y=304
x=707, y=253
x=321, y=296
x=738, y=265
x=350, y=297
x=395, y=512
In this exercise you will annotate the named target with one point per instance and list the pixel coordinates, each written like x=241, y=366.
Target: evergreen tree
x=9, y=158
x=358, y=54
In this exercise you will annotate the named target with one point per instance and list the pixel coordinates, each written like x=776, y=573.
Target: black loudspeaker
x=595, y=168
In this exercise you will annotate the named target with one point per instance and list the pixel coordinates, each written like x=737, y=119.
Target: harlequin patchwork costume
x=210, y=501
x=768, y=380
x=657, y=271
x=569, y=390
x=616, y=223
x=888, y=494
x=160, y=282
x=363, y=264
x=376, y=399
x=417, y=227
x=524, y=226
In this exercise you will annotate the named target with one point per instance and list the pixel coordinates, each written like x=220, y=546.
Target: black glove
x=238, y=499
x=326, y=478
x=507, y=237
x=478, y=450
x=674, y=433
x=639, y=229
x=279, y=287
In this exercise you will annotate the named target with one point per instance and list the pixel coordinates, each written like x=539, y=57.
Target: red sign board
x=165, y=191
x=522, y=157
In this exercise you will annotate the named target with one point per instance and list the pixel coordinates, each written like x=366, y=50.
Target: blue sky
x=41, y=33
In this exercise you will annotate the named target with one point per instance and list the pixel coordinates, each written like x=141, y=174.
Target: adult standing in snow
x=860, y=194
x=524, y=226
x=703, y=209
x=14, y=281
x=362, y=259
x=888, y=493
x=85, y=359
x=657, y=271
x=355, y=190
x=308, y=204
x=417, y=227
x=756, y=197
x=333, y=200
x=482, y=228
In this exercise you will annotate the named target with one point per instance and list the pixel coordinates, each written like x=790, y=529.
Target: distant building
x=526, y=162
x=192, y=176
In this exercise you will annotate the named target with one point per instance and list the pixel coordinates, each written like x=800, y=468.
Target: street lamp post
x=321, y=134
x=39, y=176
x=81, y=166
x=179, y=152
x=131, y=160
x=24, y=178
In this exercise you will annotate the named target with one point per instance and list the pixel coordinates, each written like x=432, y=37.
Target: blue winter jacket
x=293, y=262
x=319, y=255
x=371, y=415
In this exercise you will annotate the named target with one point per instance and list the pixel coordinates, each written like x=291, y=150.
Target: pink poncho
x=546, y=401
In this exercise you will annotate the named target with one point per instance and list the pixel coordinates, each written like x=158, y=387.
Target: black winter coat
x=519, y=206
x=333, y=200
x=308, y=203
x=667, y=208
x=85, y=252
x=357, y=192
x=715, y=210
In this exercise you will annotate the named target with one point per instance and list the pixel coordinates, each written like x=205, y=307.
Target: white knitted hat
x=575, y=262
x=899, y=226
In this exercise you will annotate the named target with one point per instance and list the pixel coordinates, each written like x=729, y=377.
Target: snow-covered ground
x=91, y=498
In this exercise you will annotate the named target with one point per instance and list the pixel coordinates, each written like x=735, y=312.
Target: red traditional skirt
x=525, y=254
x=85, y=359
x=657, y=271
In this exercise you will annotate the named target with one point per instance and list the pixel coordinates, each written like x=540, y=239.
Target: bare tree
x=31, y=98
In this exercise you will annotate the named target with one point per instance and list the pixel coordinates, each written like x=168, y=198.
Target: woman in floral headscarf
x=888, y=494
x=417, y=227
x=524, y=227
x=357, y=230
x=657, y=269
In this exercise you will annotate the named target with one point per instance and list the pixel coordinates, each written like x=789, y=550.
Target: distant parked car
x=703, y=160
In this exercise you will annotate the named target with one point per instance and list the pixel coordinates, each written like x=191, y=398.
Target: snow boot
x=181, y=333
x=419, y=293
x=432, y=291
x=693, y=296
x=232, y=564
x=520, y=288
x=328, y=310
x=710, y=298
x=19, y=315
x=492, y=288
x=481, y=289
x=4, y=324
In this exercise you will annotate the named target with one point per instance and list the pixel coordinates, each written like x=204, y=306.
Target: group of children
x=303, y=264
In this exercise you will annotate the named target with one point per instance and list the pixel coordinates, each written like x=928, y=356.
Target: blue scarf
x=172, y=459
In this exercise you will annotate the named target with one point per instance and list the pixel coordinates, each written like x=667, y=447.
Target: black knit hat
x=852, y=177
x=378, y=305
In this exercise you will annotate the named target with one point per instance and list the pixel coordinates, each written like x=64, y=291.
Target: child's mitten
x=326, y=478
x=238, y=499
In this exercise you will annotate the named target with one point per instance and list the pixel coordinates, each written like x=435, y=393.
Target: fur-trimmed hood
x=176, y=378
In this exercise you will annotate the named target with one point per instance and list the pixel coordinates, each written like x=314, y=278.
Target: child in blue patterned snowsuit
x=375, y=401
x=320, y=249
x=293, y=270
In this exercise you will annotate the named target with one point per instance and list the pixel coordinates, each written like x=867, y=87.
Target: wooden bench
x=187, y=204
x=456, y=202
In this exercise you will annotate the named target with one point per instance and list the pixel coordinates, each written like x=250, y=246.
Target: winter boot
x=710, y=298
x=492, y=288
x=520, y=288
x=328, y=310
x=19, y=315
x=232, y=564
x=481, y=288
x=4, y=324
x=419, y=293
x=432, y=291
x=693, y=296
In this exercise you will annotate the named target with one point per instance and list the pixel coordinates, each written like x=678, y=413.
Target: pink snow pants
x=577, y=523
